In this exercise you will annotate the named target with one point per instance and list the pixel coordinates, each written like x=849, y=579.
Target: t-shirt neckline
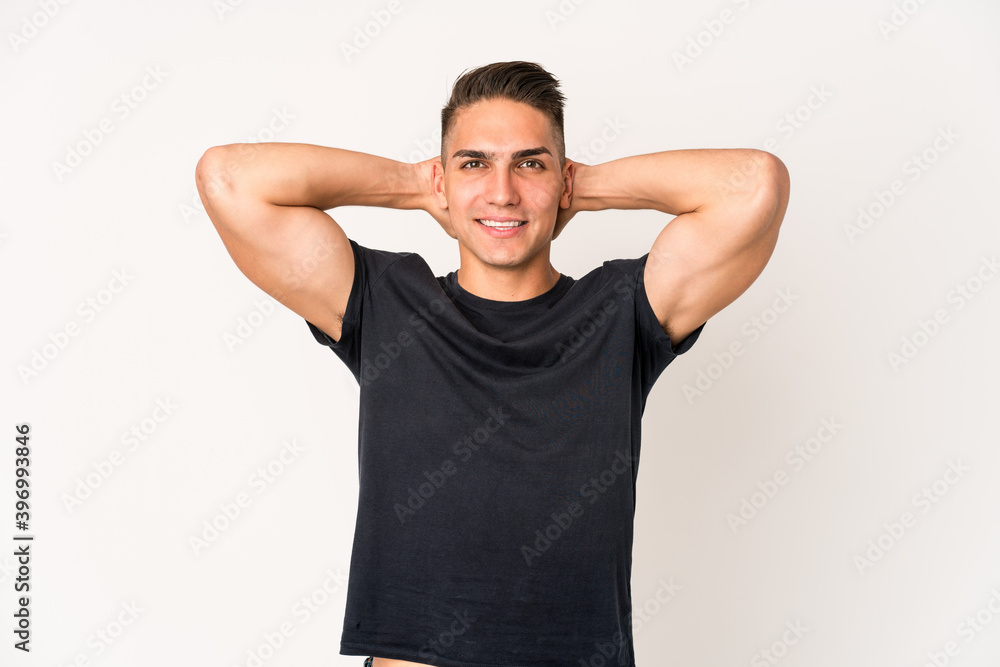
x=461, y=294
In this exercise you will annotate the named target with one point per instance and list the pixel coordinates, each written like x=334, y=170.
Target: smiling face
x=502, y=184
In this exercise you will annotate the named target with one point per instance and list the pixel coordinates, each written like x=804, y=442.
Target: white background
x=892, y=75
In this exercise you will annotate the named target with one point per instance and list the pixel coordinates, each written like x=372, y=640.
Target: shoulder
x=623, y=273
x=376, y=263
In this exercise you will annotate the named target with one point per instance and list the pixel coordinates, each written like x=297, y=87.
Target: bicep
x=703, y=260
x=297, y=254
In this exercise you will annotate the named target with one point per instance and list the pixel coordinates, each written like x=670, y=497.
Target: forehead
x=500, y=125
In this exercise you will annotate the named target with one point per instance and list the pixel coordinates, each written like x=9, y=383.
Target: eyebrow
x=481, y=155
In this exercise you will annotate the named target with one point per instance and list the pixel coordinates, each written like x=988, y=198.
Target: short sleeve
x=655, y=349
x=369, y=266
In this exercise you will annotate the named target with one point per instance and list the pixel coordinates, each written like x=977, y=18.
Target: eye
x=533, y=164
x=472, y=164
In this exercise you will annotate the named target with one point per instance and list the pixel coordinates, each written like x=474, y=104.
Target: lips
x=500, y=223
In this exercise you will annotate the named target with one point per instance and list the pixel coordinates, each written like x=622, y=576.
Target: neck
x=508, y=283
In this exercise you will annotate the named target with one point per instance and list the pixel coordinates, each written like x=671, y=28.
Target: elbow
x=778, y=179
x=771, y=190
x=211, y=174
x=769, y=173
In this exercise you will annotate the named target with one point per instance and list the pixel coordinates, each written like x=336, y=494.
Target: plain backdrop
x=837, y=476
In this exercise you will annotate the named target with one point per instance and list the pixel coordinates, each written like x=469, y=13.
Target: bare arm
x=267, y=202
x=729, y=205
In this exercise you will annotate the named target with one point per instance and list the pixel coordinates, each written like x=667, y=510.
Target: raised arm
x=267, y=202
x=729, y=205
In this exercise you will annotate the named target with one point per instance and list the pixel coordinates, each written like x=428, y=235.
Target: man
x=500, y=405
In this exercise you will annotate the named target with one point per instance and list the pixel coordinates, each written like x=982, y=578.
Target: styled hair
x=518, y=81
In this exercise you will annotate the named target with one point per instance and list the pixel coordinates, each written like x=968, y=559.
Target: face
x=502, y=183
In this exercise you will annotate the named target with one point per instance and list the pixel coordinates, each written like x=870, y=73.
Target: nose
x=502, y=190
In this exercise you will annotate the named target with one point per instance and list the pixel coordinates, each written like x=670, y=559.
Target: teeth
x=500, y=225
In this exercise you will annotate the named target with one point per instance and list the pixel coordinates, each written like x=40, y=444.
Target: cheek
x=542, y=196
x=461, y=202
x=457, y=197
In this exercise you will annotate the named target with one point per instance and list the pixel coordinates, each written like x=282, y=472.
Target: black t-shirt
x=498, y=447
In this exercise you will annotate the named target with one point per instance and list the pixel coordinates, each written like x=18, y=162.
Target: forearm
x=288, y=174
x=674, y=182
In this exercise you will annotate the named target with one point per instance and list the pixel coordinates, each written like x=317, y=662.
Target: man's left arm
x=729, y=205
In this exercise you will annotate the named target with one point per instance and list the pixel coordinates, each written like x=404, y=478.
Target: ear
x=438, y=183
x=568, y=174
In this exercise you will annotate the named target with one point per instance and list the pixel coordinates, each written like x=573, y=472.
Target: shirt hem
x=355, y=648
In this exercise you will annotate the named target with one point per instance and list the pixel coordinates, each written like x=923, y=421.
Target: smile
x=507, y=224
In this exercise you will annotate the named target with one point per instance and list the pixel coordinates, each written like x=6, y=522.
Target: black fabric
x=498, y=449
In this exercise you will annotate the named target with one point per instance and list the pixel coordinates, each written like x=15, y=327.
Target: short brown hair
x=518, y=81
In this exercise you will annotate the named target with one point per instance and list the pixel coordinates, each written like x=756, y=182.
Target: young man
x=500, y=405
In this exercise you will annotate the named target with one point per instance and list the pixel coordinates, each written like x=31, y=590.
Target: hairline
x=553, y=129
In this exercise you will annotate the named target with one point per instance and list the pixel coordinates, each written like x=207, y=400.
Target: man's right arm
x=267, y=202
